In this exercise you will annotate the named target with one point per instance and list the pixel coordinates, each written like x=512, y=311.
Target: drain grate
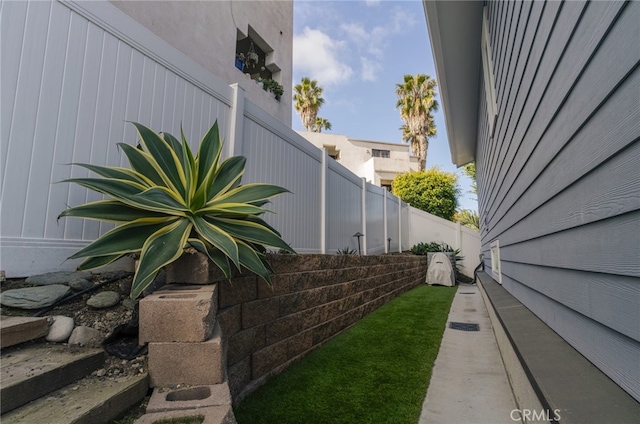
x=464, y=326
x=466, y=293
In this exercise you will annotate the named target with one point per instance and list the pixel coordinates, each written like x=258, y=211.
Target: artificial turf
x=377, y=371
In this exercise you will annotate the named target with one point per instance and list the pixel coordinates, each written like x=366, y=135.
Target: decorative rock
x=85, y=336
x=60, y=329
x=105, y=299
x=61, y=277
x=80, y=284
x=33, y=297
x=129, y=303
x=112, y=275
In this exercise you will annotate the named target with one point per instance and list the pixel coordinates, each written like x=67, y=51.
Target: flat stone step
x=91, y=400
x=15, y=330
x=34, y=371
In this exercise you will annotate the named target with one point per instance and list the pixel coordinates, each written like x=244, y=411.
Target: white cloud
x=372, y=2
x=369, y=69
x=316, y=55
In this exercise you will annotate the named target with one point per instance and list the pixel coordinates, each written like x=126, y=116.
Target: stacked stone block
x=312, y=298
x=185, y=344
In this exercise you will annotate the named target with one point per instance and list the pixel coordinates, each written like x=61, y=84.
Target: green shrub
x=433, y=191
x=346, y=251
x=170, y=201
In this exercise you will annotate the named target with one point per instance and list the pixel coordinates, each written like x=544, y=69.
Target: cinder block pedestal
x=179, y=313
x=187, y=362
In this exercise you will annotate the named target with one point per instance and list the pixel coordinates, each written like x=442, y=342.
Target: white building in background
x=215, y=34
x=376, y=161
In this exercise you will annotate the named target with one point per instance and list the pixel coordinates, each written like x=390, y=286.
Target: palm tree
x=416, y=101
x=321, y=124
x=307, y=96
x=468, y=218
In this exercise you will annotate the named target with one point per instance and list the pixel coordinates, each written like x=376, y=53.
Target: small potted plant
x=171, y=201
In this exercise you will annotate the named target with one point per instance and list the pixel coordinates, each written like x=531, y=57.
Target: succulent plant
x=170, y=201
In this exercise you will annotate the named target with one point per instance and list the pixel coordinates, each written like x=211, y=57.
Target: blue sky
x=358, y=51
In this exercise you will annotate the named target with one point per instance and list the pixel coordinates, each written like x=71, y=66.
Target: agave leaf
x=190, y=168
x=232, y=208
x=142, y=163
x=250, y=260
x=229, y=173
x=168, y=164
x=217, y=238
x=97, y=261
x=262, y=222
x=161, y=199
x=208, y=156
x=175, y=145
x=249, y=193
x=161, y=248
x=250, y=231
x=125, y=238
x=216, y=256
x=117, y=173
x=120, y=189
x=109, y=210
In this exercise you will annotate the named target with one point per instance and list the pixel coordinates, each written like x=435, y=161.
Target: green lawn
x=375, y=372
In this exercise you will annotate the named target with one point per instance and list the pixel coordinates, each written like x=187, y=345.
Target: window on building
x=380, y=153
x=251, y=56
x=487, y=68
x=332, y=152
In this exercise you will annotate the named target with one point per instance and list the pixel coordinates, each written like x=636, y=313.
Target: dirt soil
x=103, y=320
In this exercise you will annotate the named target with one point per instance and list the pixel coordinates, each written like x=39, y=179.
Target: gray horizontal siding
x=559, y=182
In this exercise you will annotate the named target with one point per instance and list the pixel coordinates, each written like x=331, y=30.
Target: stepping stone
x=60, y=329
x=60, y=277
x=14, y=330
x=31, y=373
x=87, y=401
x=34, y=297
x=105, y=299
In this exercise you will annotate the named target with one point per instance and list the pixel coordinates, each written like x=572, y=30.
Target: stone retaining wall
x=313, y=298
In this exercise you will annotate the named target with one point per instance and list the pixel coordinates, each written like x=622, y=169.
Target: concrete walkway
x=469, y=384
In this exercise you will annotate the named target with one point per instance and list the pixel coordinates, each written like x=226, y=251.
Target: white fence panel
x=344, y=207
x=406, y=228
x=69, y=88
x=375, y=220
x=393, y=223
x=278, y=155
x=470, y=249
x=73, y=73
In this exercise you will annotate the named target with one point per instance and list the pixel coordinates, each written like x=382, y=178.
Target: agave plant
x=170, y=201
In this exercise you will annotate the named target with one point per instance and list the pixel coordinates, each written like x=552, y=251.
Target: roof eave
x=455, y=29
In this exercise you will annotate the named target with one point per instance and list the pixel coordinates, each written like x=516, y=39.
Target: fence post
x=236, y=122
x=384, y=220
x=323, y=201
x=364, y=215
x=399, y=225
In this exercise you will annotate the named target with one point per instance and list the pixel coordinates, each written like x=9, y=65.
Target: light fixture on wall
x=358, y=235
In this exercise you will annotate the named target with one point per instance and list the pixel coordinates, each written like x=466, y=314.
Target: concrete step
x=34, y=371
x=91, y=400
x=15, y=330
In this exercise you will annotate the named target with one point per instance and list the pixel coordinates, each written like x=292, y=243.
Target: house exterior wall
x=356, y=155
x=206, y=32
x=559, y=179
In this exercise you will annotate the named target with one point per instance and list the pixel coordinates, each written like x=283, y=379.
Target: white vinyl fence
x=74, y=73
